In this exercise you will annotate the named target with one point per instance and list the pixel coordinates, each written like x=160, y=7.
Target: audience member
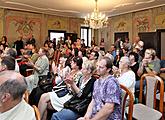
x=82, y=93
x=133, y=57
x=52, y=98
x=7, y=63
x=18, y=45
x=13, y=53
x=102, y=44
x=149, y=64
x=127, y=76
x=106, y=99
x=12, y=104
x=41, y=67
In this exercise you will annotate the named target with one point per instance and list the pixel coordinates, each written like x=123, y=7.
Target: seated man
x=13, y=53
x=106, y=99
x=7, y=63
x=12, y=105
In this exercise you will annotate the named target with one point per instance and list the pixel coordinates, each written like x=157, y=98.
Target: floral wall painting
x=120, y=26
x=59, y=23
x=24, y=26
x=142, y=24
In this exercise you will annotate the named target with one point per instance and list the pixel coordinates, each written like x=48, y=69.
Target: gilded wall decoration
x=57, y=23
x=73, y=25
x=121, y=26
x=142, y=24
x=24, y=26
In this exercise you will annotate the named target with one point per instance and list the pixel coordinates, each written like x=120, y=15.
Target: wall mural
x=24, y=26
x=121, y=26
x=73, y=25
x=142, y=23
x=1, y=23
x=57, y=23
x=160, y=21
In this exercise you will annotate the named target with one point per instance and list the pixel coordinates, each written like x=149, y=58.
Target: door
x=151, y=40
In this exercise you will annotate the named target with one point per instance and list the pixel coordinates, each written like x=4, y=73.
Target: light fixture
x=96, y=19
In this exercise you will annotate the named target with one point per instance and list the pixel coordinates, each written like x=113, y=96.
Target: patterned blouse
x=107, y=91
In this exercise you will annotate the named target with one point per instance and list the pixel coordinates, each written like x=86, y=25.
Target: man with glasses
x=12, y=105
x=106, y=99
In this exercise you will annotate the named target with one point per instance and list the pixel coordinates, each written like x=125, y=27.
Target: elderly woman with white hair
x=126, y=75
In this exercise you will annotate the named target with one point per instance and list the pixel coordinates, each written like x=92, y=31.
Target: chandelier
x=96, y=19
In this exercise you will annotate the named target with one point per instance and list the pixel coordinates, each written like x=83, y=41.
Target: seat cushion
x=143, y=112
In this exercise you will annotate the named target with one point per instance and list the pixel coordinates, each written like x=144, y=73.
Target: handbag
x=78, y=105
x=45, y=82
x=61, y=89
x=61, y=92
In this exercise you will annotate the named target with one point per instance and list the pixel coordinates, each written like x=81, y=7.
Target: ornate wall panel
x=1, y=22
x=159, y=15
x=142, y=21
x=57, y=23
x=24, y=24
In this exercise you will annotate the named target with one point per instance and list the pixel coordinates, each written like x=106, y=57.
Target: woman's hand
x=145, y=62
x=54, y=68
x=69, y=80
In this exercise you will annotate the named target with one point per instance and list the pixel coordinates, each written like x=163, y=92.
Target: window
x=86, y=34
x=56, y=34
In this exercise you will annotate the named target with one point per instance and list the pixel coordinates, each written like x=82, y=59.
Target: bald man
x=12, y=104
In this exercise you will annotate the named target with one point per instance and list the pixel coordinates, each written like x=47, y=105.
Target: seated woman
x=60, y=71
x=52, y=97
x=127, y=76
x=82, y=91
x=149, y=64
x=124, y=74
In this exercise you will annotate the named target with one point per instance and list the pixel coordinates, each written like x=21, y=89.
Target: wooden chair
x=56, y=56
x=127, y=93
x=148, y=110
x=29, y=72
x=37, y=113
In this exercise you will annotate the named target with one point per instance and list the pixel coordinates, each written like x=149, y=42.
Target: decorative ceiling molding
x=39, y=8
x=74, y=8
x=122, y=5
x=144, y=2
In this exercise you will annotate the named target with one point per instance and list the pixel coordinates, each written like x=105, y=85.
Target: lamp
x=96, y=19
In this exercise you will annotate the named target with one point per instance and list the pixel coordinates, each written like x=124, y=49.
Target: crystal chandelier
x=96, y=19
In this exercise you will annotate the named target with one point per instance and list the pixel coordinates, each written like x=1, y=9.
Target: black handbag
x=45, y=82
x=77, y=104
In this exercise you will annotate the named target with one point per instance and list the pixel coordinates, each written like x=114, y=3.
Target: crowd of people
x=86, y=80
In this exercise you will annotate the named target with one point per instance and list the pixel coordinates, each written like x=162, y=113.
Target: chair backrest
x=56, y=56
x=154, y=84
x=125, y=94
x=37, y=113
